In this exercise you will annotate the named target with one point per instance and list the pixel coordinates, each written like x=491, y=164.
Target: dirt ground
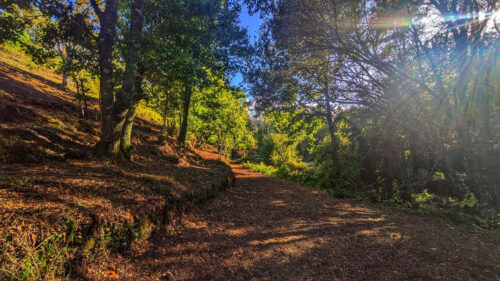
x=271, y=229
x=262, y=229
x=52, y=189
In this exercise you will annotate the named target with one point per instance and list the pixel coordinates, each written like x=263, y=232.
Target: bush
x=261, y=168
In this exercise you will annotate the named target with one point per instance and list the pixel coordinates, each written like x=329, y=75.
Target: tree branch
x=97, y=10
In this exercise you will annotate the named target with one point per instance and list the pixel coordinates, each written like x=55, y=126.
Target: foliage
x=261, y=168
x=220, y=118
x=417, y=98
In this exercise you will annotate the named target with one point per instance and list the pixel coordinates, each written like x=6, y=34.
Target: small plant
x=82, y=80
x=29, y=259
x=261, y=168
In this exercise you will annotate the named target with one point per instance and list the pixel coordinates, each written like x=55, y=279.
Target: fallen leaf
x=33, y=238
x=111, y=274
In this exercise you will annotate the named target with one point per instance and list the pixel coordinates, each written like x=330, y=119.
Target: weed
x=23, y=259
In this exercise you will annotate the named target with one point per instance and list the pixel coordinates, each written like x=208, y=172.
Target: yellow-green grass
x=12, y=55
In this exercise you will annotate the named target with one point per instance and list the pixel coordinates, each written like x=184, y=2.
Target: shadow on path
x=271, y=229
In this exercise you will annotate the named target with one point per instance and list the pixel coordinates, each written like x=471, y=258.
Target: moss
x=127, y=149
x=145, y=230
x=89, y=246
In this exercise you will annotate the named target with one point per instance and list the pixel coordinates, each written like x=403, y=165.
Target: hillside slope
x=63, y=213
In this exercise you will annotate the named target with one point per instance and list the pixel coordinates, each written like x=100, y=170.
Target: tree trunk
x=126, y=146
x=109, y=144
x=64, y=83
x=163, y=136
x=164, y=122
x=65, y=65
x=184, y=126
x=125, y=142
x=329, y=111
x=107, y=20
x=331, y=128
x=81, y=94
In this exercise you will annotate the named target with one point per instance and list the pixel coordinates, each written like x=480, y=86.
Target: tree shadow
x=271, y=229
x=23, y=89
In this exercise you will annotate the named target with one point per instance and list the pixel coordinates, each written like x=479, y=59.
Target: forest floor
x=271, y=229
x=61, y=210
x=262, y=229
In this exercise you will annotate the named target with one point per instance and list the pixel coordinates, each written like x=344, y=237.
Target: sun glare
x=453, y=20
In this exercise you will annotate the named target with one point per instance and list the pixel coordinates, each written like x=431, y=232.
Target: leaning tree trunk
x=109, y=144
x=185, y=115
x=125, y=143
x=65, y=65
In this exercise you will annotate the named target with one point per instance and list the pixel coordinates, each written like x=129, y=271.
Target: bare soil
x=271, y=229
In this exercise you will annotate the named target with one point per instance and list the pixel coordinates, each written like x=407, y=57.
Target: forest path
x=271, y=229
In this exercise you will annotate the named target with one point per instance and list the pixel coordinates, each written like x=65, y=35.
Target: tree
x=50, y=29
x=219, y=117
x=107, y=16
x=114, y=119
x=417, y=79
x=197, y=35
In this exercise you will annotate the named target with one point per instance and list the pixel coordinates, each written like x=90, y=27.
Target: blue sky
x=252, y=24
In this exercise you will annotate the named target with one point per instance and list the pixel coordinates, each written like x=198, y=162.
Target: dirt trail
x=271, y=229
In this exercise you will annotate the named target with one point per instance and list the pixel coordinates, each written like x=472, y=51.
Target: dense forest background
x=389, y=101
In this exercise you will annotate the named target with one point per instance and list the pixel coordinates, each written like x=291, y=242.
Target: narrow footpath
x=271, y=229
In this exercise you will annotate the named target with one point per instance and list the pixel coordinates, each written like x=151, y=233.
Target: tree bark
x=185, y=115
x=328, y=100
x=105, y=42
x=163, y=136
x=331, y=127
x=126, y=146
x=64, y=82
x=111, y=135
x=125, y=143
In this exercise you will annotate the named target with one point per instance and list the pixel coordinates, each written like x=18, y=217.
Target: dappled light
x=248, y=233
x=249, y=140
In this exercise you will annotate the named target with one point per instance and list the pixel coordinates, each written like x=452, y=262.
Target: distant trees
x=420, y=73
x=220, y=117
x=48, y=30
